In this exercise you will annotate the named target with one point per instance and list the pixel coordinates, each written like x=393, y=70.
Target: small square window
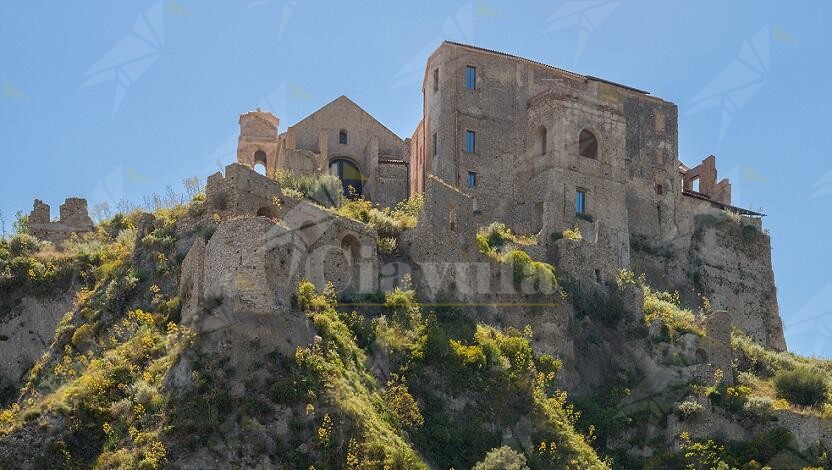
x=470, y=141
x=471, y=77
x=472, y=179
x=580, y=201
x=435, y=79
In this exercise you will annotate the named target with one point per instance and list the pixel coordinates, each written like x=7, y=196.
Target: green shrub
x=23, y=244
x=664, y=306
x=387, y=245
x=573, y=233
x=323, y=189
x=494, y=237
x=804, y=386
x=503, y=458
x=689, y=408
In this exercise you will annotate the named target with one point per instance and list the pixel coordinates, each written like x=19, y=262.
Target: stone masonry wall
x=74, y=218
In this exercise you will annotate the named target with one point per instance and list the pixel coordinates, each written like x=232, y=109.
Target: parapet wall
x=74, y=218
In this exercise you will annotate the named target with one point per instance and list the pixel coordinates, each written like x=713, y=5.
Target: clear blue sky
x=111, y=100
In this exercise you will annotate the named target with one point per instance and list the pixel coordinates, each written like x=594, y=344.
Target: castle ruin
x=541, y=149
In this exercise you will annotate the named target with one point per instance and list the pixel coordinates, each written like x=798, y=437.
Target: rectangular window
x=435, y=146
x=580, y=201
x=470, y=141
x=472, y=179
x=471, y=77
x=435, y=79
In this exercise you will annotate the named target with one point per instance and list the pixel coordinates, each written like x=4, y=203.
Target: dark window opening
x=541, y=137
x=587, y=145
x=435, y=144
x=435, y=79
x=342, y=137
x=351, y=178
x=659, y=189
x=472, y=179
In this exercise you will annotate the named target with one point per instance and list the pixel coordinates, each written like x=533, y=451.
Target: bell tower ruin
x=258, y=141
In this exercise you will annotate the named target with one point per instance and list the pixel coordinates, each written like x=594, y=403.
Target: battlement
x=74, y=218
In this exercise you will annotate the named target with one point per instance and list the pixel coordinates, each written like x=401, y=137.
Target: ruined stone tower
x=258, y=143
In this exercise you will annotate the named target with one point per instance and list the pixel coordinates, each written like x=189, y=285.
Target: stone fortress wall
x=74, y=218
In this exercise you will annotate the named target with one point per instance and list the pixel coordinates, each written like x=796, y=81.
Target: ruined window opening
x=470, y=141
x=260, y=157
x=435, y=144
x=472, y=179
x=471, y=77
x=659, y=189
x=260, y=168
x=452, y=217
x=436, y=79
x=588, y=144
x=351, y=178
x=598, y=276
x=580, y=201
x=342, y=137
x=541, y=139
x=694, y=184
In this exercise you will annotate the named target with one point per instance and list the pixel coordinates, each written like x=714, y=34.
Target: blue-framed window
x=580, y=201
x=470, y=141
x=471, y=77
x=472, y=179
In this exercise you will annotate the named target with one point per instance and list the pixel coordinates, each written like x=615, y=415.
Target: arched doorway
x=351, y=178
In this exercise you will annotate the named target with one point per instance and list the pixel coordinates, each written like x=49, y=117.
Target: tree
x=192, y=186
x=503, y=458
x=21, y=223
x=101, y=211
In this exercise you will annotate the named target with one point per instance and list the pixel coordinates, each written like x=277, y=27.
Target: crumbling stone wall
x=242, y=191
x=266, y=244
x=74, y=218
x=705, y=173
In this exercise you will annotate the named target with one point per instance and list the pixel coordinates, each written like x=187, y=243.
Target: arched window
x=588, y=144
x=541, y=139
x=342, y=137
x=260, y=162
x=351, y=178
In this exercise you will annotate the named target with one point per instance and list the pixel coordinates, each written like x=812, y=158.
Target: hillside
x=142, y=365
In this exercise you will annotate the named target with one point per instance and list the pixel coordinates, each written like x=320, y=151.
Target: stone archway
x=352, y=180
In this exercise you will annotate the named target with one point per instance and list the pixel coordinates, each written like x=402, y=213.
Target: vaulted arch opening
x=351, y=178
x=588, y=144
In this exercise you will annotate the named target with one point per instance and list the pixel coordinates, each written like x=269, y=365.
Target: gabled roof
x=541, y=64
x=345, y=100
